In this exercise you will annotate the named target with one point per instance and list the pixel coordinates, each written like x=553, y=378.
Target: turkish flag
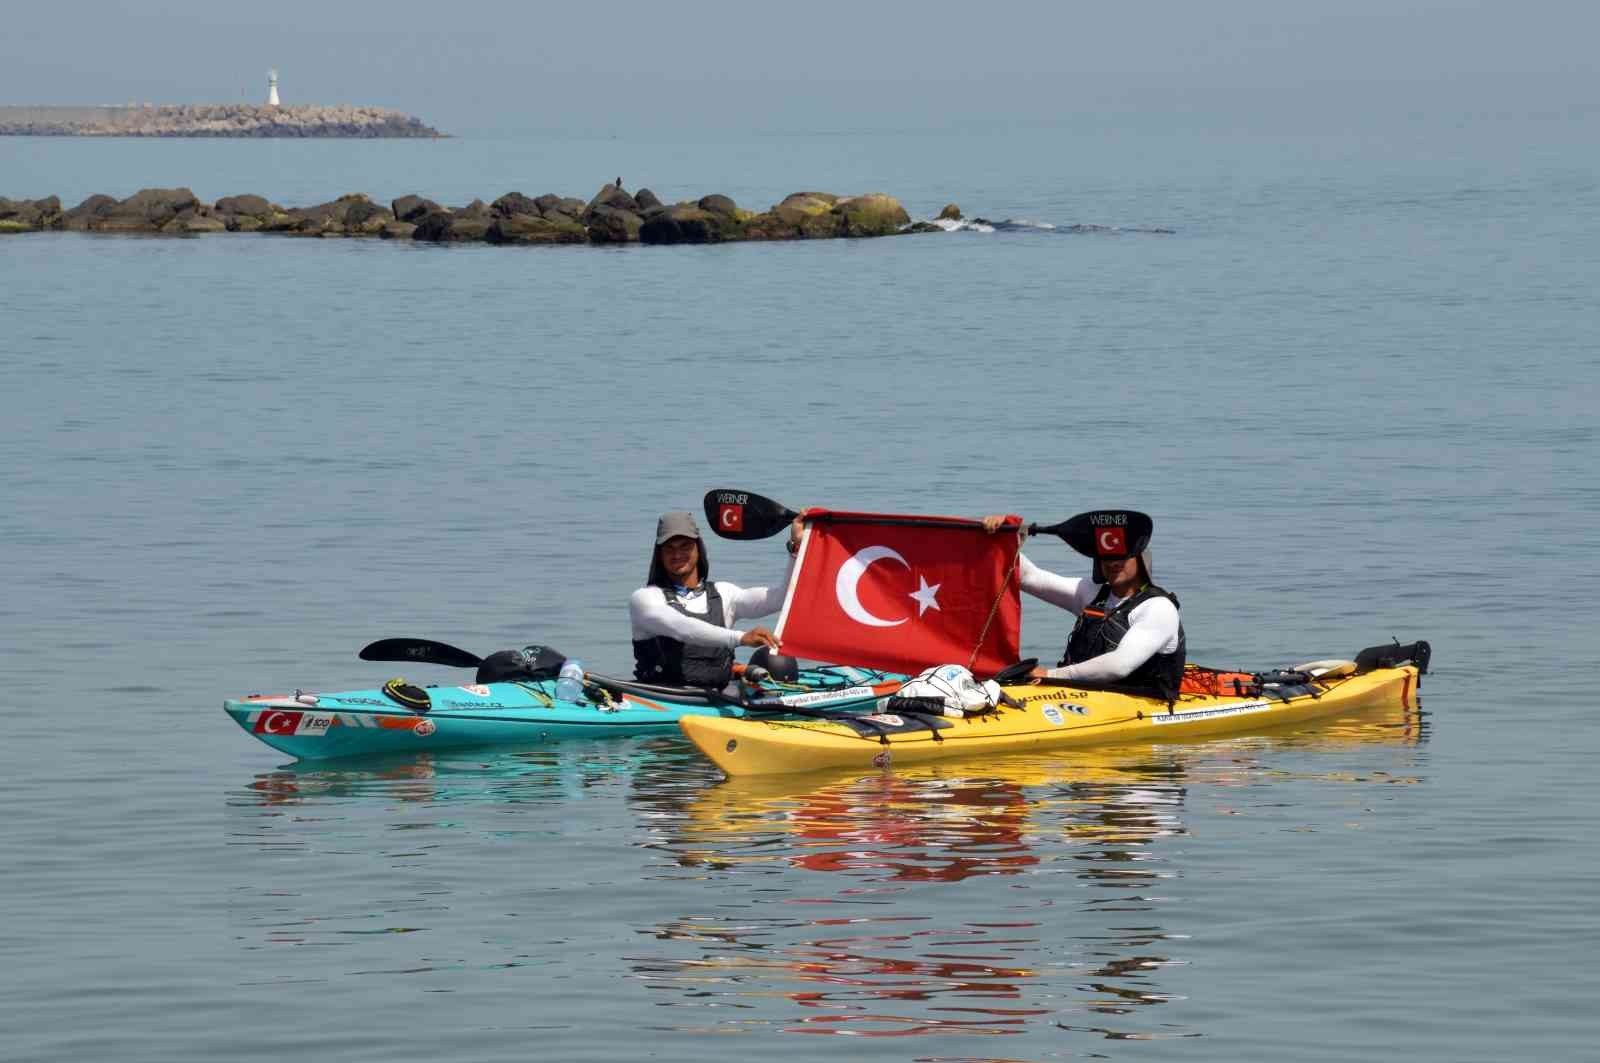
x=277, y=722
x=902, y=593
x=730, y=517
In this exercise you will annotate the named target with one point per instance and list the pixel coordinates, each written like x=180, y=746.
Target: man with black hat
x=683, y=633
x=1128, y=632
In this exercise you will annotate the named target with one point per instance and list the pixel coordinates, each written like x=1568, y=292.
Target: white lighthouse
x=272, y=88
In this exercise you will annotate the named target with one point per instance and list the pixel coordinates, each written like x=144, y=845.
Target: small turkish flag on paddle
x=1111, y=542
x=901, y=593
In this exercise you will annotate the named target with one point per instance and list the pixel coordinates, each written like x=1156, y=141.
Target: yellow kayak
x=1048, y=716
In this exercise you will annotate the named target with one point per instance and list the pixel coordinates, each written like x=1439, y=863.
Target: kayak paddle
x=745, y=515
x=422, y=651
x=1102, y=532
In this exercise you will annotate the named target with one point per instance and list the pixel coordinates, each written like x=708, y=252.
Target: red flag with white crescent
x=902, y=593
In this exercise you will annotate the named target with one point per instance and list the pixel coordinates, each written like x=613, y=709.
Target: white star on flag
x=926, y=597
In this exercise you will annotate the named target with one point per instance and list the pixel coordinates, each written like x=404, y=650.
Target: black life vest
x=660, y=659
x=1100, y=631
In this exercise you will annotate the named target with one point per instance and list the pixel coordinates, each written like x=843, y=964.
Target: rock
x=801, y=216
x=281, y=221
x=352, y=215
x=613, y=225
x=534, y=229
x=689, y=224
x=320, y=211
x=82, y=217
x=610, y=196
x=922, y=227
x=549, y=204
x=194, y=223
x=951, y=212
x=719, y=205
x=514, y=203
x=122, y=223
x=158, y=204
x=647, y=200
x=254, y=206
x=874, y=214
x=805, y=204
x=444, y=227
x=476, y=209
x=30, y=215
x=246, y=213
x=366, y=218
x=414, y=208
x=312, y=223
x=397, y=230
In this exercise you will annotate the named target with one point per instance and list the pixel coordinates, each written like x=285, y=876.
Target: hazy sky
x=482, y=65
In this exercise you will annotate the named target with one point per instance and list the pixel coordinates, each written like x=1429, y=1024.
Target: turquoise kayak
x=390, y=719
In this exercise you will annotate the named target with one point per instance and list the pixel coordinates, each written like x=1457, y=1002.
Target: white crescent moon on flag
x=1108, y=541
x=850, y=573
x=269, y=725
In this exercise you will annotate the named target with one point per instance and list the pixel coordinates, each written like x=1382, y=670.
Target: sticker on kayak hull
x=293, y=722
x=847, y=694
x=888, y=719
x=424, y=728
x=1210, y=714
x=1052, y=711
x=478, y=689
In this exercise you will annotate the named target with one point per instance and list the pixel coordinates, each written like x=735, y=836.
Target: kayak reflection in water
x=1128, y=631
x=683, y=633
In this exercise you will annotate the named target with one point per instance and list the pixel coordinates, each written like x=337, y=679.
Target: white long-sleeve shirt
x=651, y=615
x=1152, y=625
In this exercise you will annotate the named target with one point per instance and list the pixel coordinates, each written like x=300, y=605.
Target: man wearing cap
x=683, y=633
x=1128, y=633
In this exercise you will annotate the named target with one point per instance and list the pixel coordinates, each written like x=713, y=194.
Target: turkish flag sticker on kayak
x=903, y=592
x=1111, y=542
x=730, y=517
x=278, y=722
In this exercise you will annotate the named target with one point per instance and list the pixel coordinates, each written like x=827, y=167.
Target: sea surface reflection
x=951, y=899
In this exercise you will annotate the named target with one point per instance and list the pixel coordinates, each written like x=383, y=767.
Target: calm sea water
x=1356, y=388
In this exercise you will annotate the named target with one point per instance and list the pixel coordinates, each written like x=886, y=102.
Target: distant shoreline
x=342, y=121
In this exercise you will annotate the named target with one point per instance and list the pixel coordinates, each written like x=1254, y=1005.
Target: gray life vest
x=664, y=660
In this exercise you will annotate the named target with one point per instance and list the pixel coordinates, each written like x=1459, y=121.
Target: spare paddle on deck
x=423, y=651
x=530, y=663
x=745, y=515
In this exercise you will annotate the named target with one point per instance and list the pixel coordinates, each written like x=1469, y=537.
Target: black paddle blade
x=1394, y=654
x=745, y=515
x=1114, y=533
x=422, y=651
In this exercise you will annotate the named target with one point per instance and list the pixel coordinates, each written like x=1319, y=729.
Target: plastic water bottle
x=569, y=687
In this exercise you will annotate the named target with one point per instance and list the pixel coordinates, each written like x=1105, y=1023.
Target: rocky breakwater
x=612, y=216
x=212, y=120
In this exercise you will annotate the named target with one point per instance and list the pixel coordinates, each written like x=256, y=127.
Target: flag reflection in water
x=859, y=949
x=1019, y=896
